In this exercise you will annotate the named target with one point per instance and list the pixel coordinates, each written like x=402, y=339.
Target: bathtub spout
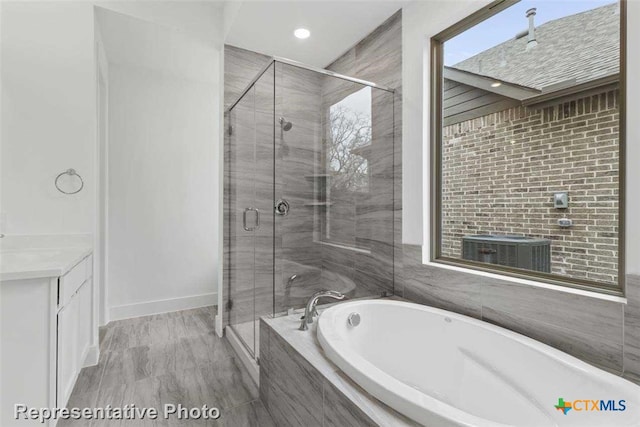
x=310, y=309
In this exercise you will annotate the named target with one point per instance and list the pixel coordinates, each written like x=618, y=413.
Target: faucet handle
x=311, y=311
x=330, y=294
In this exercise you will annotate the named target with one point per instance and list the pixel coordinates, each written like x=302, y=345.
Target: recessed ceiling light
x=496, y=84
x=302, y=33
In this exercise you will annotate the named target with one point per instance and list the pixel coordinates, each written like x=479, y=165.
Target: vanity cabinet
x=73, y=328
x=48, y=333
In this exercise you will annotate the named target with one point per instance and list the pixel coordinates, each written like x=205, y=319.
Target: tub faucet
x=310, y=309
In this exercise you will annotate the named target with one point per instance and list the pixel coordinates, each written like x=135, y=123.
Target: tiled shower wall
x=240, y=68
x=298, y=101
x=301, y=95
x=601, y=332
x=378, y=58
x=288, y=248
x=251, y=257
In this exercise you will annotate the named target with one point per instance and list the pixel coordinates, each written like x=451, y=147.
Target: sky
x=506, y=24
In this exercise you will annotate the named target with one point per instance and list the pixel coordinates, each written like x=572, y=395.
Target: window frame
x=436, y=128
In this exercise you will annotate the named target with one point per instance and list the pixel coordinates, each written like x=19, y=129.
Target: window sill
x=528, y=282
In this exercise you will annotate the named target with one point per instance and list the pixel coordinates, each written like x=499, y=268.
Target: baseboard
x=91, y=356
x=161, y=306
x=247, y=360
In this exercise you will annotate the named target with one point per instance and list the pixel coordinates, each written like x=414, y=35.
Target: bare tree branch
x=349, y=130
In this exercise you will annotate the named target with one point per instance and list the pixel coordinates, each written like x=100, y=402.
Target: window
x=347, y=147
x=528, y=142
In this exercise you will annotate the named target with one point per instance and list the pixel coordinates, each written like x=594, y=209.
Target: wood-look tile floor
x=172, y=358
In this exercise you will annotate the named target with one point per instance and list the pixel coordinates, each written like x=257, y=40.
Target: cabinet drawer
x=70, y=282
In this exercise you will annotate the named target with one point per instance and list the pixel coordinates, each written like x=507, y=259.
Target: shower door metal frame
x=226, y=114
x=293, y=63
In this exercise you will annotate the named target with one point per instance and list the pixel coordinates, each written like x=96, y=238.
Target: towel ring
x=70, y=172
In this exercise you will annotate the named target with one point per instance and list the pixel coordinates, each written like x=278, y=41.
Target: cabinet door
x=67, y=349
x=85, y=308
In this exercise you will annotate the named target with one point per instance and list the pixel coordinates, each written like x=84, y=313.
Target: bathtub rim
x=374, y=380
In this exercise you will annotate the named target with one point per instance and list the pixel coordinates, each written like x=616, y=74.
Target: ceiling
x=267, y=27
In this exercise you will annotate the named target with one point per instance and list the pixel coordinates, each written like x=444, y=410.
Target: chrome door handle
x=257, y=218
x=244, y=219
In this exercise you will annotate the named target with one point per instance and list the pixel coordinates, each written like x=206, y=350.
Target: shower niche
x=323, y=144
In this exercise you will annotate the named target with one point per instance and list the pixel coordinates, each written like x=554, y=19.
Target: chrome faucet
x=310, y=309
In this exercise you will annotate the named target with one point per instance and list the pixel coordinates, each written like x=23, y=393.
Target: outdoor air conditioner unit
x=528, y=253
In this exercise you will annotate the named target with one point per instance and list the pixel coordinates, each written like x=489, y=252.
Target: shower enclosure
x=309, y=193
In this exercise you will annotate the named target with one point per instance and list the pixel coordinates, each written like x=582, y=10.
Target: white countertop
x=40, y=256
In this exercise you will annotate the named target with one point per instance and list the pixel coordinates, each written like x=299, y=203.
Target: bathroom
x=338, y=213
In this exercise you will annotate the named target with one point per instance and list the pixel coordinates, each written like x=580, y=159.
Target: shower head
x=286, y=126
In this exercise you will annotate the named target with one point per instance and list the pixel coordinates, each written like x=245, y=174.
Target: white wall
x=421, y=21
x=163, y=131
x=165, y=141
x=201, y=20
x=48, y=115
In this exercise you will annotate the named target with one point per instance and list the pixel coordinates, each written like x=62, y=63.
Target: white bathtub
x=444, y=369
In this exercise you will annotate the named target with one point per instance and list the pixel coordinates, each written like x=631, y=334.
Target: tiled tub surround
x=299, y=386
x=631, y=346
x=601, y=332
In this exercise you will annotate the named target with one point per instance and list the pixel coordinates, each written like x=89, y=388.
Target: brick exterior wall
x=500, y=172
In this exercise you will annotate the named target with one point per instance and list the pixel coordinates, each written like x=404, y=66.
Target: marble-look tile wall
x=251, y=260
x=603, y=333
x=241, y=67
x=377, y=58
x=297, y=100
x=300, y=97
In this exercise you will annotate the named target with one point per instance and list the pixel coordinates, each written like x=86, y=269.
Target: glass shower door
x=334, y=147
x=311, y=195
x=243, y=219
x=250, y=246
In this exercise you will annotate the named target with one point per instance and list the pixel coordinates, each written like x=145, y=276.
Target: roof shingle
x=584, y=47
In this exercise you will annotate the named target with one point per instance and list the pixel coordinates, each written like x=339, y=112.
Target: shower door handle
x=257, y=218
x=244, y=219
